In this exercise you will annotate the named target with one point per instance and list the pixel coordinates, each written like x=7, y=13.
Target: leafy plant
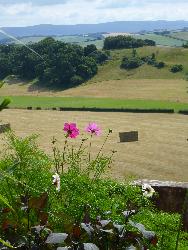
x=61, y=202
x=176, y=68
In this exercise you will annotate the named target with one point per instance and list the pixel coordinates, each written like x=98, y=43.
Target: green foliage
x=131, y=63
x=185, y=45
x=166, y=225
x=149, y=42
x=76, y=80
x=84, y=201
x=122, y=42
x=26, y=164
x=160, y=65
x=89, y=49
x=176, y=68
x=55, y=64
x=5, y=102
x=135, y=61
x=99, y=56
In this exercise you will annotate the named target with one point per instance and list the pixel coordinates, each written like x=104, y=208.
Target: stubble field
x=160, y=153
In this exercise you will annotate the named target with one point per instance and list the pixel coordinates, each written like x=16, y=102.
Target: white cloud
x=25, y=13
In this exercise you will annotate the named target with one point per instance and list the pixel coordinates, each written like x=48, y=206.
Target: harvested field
x=174, y=90
x=160, y=153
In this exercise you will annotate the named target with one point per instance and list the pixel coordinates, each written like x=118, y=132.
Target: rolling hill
x=144, y=83
x=121, y=26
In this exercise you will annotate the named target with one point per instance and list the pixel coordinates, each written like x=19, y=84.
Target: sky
x=33, y=12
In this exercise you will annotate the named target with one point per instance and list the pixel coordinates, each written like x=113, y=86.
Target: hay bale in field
x=130, y=136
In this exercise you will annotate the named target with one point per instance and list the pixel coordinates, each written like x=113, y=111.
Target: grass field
x=172, y=41
x=81, y=102
x=113, y=87
x=80, y=40
x=171, y=56
x=161, y=40
x=180, y=35
x=169, y=90
x=160, y=153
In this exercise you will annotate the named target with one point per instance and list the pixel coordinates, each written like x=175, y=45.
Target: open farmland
x=143, y=83
x=161, y=39
x=76, y=39
x=180, y=35
x=161, y=152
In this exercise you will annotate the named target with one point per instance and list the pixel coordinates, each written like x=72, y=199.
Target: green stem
x=63, y=162
x=103, y=144
x=90, y=148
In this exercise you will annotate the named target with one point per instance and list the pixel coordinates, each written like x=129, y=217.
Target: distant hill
x=121, y=26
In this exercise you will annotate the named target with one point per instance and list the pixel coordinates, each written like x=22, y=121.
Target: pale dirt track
x=161, y=153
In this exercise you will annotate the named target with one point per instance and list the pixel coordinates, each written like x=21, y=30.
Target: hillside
x=144, y=83
x=121, y=26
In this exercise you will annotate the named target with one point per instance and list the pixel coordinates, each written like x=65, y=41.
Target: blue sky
x=32, y=12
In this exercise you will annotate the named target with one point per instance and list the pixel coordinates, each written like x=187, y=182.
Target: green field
x=180, y=35
x=81, y=102
x=84, y=41
x=173, y=40
x=80, y=40
x=161, y=40
x=145, y=87
x=112, y=71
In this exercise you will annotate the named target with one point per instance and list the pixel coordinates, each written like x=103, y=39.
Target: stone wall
x=172, y=197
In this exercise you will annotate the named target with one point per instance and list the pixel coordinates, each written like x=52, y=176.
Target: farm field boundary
x=85, y=103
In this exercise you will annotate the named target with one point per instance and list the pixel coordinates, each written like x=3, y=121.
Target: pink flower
x=71, y=129
x=93, y=129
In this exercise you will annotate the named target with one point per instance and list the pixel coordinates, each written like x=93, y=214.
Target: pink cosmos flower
x=71, y=129
x=93, y=129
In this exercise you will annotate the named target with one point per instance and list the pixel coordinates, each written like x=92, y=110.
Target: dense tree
x=125, y=42
x=89, y=49
x=99, y=56
x=57, y=63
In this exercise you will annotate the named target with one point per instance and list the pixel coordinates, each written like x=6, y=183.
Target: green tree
x=89, y=49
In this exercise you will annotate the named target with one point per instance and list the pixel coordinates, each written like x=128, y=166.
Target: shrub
x=99, y=56
x=160, y=65
x=131, y=63
x=176, y=68
x=149, y=42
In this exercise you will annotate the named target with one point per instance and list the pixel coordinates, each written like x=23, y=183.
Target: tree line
x=126, y=42
x=59, y=64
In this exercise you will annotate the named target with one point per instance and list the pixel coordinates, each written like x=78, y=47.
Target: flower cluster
x=72, y=131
